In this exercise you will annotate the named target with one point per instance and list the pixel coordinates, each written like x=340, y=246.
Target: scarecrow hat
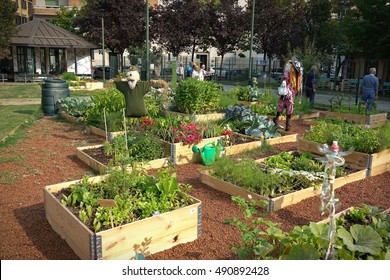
x=133, y=74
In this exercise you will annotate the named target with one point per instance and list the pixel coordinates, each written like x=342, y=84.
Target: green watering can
x=207, y=153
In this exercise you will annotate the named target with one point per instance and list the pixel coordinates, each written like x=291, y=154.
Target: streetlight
x=251, y=41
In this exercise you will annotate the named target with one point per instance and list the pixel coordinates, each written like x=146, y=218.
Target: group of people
x=193, y=71
x=291, y=85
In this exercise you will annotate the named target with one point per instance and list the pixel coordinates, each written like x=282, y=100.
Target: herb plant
x=199, y=97
x=137, y=196
x=362, y=139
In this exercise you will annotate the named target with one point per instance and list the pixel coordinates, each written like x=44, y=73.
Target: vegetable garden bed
x=276, y=203
x=154, y=234
x=376, y=163
x=373, y=121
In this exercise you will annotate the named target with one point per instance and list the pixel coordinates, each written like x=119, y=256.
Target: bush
x=197, y=97
x=108, y=99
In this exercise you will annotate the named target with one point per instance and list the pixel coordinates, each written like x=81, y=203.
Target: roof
x=40, y=33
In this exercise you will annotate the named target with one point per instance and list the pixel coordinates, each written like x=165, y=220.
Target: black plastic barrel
x=52, y=90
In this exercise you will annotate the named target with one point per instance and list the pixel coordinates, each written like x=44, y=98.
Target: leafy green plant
x=264, y=181
x=76, y=106
x=307, y=242
x=194, y=96
x=136, y=195
x=108, y=99
x=362, y=139
x=140, y=147
x=69, y=76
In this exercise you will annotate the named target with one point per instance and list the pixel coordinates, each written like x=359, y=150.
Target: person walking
x=311, y=85
x=180, y=71
x=202, y=72
x=195, y=72
x=189, y=69
x=369, y=89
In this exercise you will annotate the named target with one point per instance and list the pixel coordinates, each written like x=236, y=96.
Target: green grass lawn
x=31, y=90
x=13, y=116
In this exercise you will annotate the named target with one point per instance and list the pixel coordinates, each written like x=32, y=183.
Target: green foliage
x=362, y=139
x=137, y=196
x=303, y=161
x=108, y=99
x=199, y=97
x=384, y=134
x=310, y=242
x=141, y=147
x=252, y=176
x=154, y=102
x=228, y=98
x=69, y=76
x=76, y=106
x=7, y=26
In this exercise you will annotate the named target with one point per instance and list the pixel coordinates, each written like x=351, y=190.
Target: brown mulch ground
x=48, y=156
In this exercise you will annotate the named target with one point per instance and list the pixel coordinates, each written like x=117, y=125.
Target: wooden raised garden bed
x=375, y=164
x=235, y=149
x=374, y=121
x=247, y=103
x=345, y=212
x=164, y=230
x=92, y=129
x=102, y=168
x=279, y=202
x=200, y=117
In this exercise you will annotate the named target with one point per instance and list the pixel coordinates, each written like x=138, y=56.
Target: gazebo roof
x=40, y=33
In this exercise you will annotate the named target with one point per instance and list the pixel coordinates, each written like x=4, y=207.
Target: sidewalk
x=323, y=97
x=20, y=101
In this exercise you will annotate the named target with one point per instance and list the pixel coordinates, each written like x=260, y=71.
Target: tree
x=168, y=26
x=65, y=18
x=124, y=23
x=227, y=26
x=8, y=28
x=275, y=26
x=369, y=29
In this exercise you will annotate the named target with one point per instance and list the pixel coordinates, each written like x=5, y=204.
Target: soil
x=48, y=156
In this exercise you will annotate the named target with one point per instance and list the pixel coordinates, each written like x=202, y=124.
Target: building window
x=26, y=60
x=51, y=3
x=43, y=61
x=57, y=61
x=24, y=4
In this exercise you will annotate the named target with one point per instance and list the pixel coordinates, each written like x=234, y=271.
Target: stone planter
x=164, y=231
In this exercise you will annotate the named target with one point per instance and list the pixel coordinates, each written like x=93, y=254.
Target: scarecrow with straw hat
x=134, y=91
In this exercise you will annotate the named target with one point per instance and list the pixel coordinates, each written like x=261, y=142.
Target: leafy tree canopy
x=124, y=23
x=65, y=18
x=8, y=10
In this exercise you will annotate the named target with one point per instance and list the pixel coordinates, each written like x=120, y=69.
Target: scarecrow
x=134, y=91
x=291, y=85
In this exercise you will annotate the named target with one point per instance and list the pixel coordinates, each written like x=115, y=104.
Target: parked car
x=277, y=73
x=98, y=72
x=221, y=72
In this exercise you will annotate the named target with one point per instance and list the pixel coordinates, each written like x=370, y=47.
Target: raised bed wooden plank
x=200, y=117
x=279, y=202
x=102, y=168
x=376, y=163
x=372, y=120
x=165, y=230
